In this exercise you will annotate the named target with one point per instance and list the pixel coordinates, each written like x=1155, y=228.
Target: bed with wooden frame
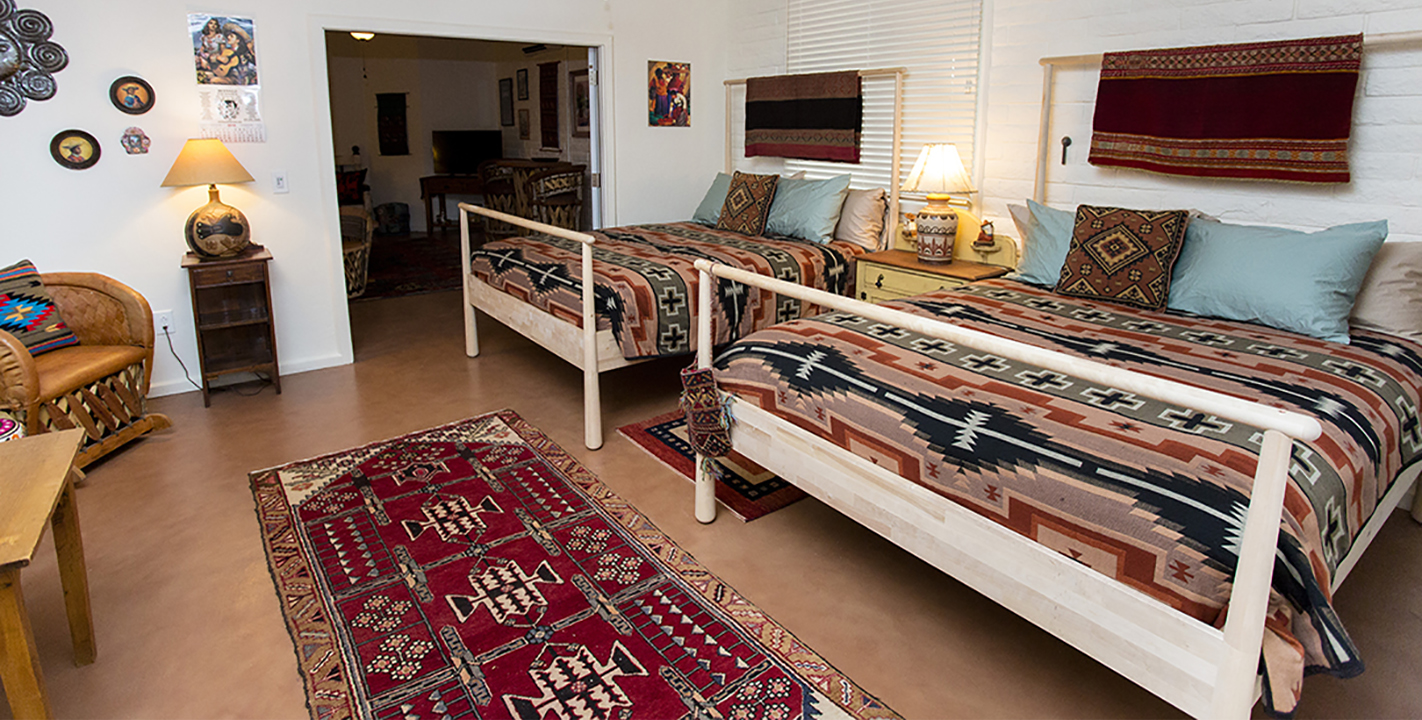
x=580, y=342
x=1204, y=670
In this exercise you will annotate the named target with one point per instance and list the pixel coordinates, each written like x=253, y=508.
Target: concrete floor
x=188, y=623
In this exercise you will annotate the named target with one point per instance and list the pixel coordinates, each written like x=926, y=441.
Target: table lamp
x=216, y=229
x=938, y=172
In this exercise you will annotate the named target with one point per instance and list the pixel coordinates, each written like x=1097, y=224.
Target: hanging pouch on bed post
x=708, y=422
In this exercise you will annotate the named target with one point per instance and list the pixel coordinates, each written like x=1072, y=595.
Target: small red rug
x=476, y=570
x=747, y=489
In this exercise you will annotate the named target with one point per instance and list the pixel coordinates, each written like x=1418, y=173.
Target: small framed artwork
x=522, y=76
x=582, y=105
x=668, y=94
x=132, y=95
x=523, y=123
x=74, y=149
x=506, y=114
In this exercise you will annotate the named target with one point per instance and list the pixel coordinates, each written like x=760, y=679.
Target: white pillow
x=861, y=220
x=1390, y=299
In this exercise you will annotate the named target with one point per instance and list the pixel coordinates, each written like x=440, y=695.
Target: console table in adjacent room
x=432, y=185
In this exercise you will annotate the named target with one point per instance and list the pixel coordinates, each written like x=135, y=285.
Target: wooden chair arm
x=19, y=380
x=101, y=310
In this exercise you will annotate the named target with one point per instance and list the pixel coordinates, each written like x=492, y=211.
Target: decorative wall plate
x=74, y=149
x=28, y=58
x=135, y=141
x=132, y=95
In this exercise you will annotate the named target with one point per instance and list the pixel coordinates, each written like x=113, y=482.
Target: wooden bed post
x=471, y=330
x=705, y=484
x=1249, y=599
x=592, y=400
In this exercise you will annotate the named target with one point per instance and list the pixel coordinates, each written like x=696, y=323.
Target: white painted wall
x=114, y=218
x=1387, y=135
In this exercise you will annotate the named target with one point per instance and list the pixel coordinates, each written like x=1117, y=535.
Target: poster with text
x=224, y=49
x=668, y=93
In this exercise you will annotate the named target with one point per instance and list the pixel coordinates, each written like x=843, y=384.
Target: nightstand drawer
x=209, y=277
x=902, y=283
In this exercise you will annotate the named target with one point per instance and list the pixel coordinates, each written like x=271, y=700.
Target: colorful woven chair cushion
x=29, y=313
x=747, y=203
x=1123, y=256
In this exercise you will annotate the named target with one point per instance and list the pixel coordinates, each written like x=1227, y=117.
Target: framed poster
x=224, y=49
x=668, y=94
x=506, y=115
x=523, y=123
x=522, y=76
x=582, y=105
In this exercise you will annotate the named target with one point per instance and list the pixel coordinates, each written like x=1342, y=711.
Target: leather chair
x=101, y=384
x=557, y=195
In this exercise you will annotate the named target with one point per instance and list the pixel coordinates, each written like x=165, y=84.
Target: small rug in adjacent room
x=747, y=489
x=412, y=265
x=477, y=570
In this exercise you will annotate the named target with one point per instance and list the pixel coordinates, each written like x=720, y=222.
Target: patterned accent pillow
x=747, y=203
x=28, y=312
x=350, y=187
x=1123, y=256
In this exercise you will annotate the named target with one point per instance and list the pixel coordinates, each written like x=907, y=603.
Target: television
x=459, y=152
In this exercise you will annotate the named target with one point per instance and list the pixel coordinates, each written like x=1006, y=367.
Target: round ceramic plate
x=74, y=149
x=132, y=95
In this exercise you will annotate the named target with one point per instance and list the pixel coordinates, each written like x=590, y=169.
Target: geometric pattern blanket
x=476, y=570
x=645, y=285
x=1150, y=494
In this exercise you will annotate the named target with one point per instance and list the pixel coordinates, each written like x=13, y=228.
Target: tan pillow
x=1390, y=300
x=861, y=220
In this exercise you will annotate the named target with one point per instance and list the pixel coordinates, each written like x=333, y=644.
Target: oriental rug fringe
x=476, y=570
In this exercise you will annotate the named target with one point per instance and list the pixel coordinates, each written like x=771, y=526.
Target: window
x=938, y=41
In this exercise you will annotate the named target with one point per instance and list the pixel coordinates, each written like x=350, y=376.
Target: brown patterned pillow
x=747, y=203
x=1123, y=256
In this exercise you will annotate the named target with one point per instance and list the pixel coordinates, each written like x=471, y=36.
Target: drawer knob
x=229, y=274
x=880, y=282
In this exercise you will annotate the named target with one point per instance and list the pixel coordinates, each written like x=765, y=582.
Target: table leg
x=69, y=547
x=19, y=660
x=429, y=217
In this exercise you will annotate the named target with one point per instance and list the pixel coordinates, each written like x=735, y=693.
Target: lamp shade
x=205, y=161
x=938, y=171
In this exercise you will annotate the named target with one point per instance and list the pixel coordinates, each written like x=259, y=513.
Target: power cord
x=169, y=336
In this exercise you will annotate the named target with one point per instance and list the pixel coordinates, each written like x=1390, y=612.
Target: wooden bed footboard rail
x=592, y=405
x=1231, y=654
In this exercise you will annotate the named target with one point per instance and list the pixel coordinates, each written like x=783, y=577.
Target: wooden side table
x=893, y=274
x=37, y=487
x=232, y=309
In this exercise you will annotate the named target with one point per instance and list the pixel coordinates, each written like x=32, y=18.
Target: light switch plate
x=279, y=183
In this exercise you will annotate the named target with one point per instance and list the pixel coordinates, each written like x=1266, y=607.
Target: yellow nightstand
x=893, y=274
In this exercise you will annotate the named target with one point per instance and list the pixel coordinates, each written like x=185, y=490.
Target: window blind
x=937, y=41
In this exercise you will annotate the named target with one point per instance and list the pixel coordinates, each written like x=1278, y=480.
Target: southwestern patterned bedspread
x=1150, y=494
x=645, y=282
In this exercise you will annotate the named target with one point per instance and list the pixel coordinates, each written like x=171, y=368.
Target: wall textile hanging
x=391, y=124
x=548, y=104
x=812, y=117
x=1263, y=111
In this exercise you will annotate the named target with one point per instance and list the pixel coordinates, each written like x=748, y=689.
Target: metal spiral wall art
x=28, y=58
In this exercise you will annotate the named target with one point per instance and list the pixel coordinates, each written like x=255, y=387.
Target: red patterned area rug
x=749, y=490
x=476, y=570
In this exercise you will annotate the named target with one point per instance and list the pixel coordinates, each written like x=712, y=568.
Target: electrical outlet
x=279, y=182
x=163, y=320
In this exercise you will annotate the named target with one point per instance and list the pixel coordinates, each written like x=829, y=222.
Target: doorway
x=396, y=102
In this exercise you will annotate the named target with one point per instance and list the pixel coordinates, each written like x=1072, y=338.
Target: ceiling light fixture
x=363, y=36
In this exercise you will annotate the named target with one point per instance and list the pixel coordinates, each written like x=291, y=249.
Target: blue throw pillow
x=1286, y=279
x=709, y=211
x=1046, y=238
x=807, y=209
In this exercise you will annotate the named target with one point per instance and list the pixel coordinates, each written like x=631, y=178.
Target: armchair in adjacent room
x=557, y=195
x=99, y=384
x=357, y=234
x=498, y=179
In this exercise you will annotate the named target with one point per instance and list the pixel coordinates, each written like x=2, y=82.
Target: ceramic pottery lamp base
x=217, y=229
x=937, y=229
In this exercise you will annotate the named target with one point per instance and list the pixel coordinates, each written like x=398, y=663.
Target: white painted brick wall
x=1386, y=146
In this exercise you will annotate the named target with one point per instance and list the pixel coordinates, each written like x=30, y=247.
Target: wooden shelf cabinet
x=894, y=274
x=232, y=309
